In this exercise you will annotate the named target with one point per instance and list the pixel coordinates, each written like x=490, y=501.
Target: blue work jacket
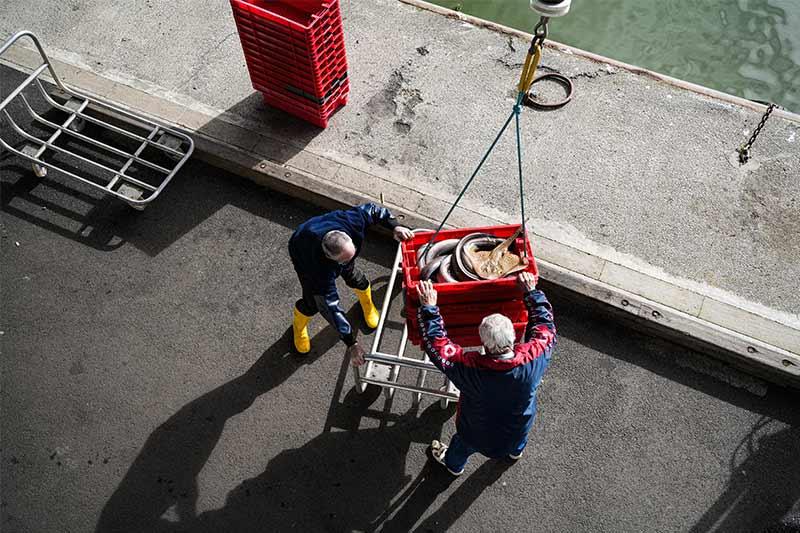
x=317, y=273
x=497, y=406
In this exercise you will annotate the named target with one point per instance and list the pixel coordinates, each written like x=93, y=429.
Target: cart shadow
x=96, y=227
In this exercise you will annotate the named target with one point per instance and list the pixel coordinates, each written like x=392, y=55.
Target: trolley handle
x=27, y=33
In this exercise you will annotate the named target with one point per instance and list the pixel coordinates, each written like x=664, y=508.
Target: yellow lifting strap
x=529, y=69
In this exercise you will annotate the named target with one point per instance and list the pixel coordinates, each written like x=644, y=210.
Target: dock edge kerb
x=633, y=69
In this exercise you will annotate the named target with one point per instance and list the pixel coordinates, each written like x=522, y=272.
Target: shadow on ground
x=763, y=490
x=763, y=493
x=71, y=209
x=350, y=478
x=344, y=478
x=357, y=479
x=269, y=131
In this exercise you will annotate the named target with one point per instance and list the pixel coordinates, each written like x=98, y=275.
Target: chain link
x=539, y=33
x=744, y=150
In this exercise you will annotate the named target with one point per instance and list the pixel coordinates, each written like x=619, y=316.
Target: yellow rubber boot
x=371, y=314
x=302, y=342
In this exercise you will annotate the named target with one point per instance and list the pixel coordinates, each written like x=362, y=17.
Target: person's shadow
x=350, y=481
x=339, y=481
x=164, y=474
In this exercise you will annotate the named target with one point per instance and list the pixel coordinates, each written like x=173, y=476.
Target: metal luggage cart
x=148, y=154
x=383, y=369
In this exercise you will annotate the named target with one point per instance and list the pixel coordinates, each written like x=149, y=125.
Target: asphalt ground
x=147, y=385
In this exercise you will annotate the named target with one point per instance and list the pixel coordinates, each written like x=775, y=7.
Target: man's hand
x=401, y=233
x=356, y=355
x=427, y=294
x=527, y=281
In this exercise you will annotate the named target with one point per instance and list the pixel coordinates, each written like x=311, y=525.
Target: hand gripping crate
x=295, y=54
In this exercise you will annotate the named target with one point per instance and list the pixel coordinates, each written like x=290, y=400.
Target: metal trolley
x=148, y=155
x=383, y=369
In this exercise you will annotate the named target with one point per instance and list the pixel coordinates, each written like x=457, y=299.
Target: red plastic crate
x=295, y=54
x=465, y=314
x=504, y=289
x=315, y=36
x=290, y=77
x=284, y=97
x=280, y=50
x=270, y=53
x=318, y=116
x=291, y=83
x=464, y=335
x=462, y=320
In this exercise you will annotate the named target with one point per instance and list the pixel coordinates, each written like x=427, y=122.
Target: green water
x=749, y=48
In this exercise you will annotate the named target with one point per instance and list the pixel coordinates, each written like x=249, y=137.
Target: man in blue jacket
x=324, y=248
x=498, y=385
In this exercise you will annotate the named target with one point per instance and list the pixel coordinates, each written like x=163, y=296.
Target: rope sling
x=526, y=79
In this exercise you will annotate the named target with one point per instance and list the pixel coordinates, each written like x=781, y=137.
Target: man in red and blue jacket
x=498, y=385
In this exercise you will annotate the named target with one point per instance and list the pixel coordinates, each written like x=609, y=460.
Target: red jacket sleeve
x=445, y=354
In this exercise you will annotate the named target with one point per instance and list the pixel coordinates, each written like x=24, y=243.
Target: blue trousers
x=459, y=451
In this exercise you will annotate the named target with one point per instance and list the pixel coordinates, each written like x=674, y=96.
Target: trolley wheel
x=138, y=207
x=77, y=125
x=39, y=170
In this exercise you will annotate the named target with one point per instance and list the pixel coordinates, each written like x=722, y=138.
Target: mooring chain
x=744, y=150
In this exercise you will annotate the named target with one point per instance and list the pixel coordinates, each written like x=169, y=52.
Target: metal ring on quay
x=561, y=80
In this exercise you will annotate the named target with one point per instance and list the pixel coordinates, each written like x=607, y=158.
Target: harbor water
x=749, y=48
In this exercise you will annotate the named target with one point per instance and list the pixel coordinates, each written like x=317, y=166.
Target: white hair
x=335, y=242
x=497, y=333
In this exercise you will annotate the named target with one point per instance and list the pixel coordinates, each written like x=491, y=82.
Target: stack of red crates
x=463, y=305
x=295, y=54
